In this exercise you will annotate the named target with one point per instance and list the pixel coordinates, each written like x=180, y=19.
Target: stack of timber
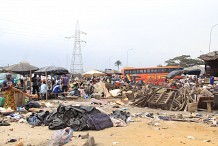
x=164, y=98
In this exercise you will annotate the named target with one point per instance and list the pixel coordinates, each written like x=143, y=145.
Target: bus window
x=126, y=72
x=152, y=70
x=133, y=71
x=145, y=70
x=164, y=70
x=137, y=71
x=159, y=70
x=170, y=69
x=141, y=71
x=148, y=70
x=155, y=70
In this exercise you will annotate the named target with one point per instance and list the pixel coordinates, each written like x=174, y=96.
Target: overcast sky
x=157, y=30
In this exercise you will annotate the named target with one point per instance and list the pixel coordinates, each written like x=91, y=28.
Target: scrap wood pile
x=164, y=98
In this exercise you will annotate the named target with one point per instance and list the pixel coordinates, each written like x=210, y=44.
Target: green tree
x=159, y=65
x=184, y=61
x=118, y=63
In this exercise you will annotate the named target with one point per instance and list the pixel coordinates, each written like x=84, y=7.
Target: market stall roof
x=52, y=70
x=209, y=56
x=93, y=73
x=23, y=68
x=112, y=71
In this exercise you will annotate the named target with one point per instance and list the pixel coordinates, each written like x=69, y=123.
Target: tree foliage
x=159, y=65
x=118, y=63
x=184, y=61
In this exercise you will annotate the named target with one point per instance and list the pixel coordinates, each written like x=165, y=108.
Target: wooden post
x=46, y=78
x=209, y=105
x=209, y=109
x=30, y=81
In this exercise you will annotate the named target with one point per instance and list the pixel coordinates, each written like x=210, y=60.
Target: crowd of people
x=39, y=86
x=60, y=86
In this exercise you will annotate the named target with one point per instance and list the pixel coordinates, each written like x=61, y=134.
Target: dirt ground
x=137, y=133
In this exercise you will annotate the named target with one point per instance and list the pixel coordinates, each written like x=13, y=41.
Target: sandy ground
x=137, y=133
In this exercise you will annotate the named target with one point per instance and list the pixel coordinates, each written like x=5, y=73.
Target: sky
x=149, y=31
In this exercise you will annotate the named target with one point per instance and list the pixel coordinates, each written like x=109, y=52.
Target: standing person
x=35, y=85
x=65, y=82
x=212, y=80
x=9, y=93
x=43, y=90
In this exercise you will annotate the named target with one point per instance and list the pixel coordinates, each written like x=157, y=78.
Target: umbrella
x=93, y=73
x=193, y=72
x=52, y=70
x=22, y=68
x=196, y=68
x=174, y=73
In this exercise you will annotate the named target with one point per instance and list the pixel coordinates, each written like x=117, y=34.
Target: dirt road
x=138, y=133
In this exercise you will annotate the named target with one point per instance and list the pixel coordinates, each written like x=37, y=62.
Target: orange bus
x=152, y=75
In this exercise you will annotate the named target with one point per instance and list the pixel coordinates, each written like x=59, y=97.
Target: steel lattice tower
x=76, y=66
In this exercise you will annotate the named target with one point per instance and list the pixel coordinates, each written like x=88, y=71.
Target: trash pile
x=78, y=118
x=64, y=120
x=211, y=119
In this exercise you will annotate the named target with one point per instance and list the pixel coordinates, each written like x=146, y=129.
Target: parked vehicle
x=152, y=75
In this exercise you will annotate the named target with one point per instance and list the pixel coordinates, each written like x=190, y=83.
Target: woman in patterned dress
x=9, y=93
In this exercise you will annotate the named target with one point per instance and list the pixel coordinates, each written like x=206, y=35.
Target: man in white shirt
x=43, y=90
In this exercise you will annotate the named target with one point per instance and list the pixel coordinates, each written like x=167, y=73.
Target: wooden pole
x=30, y=81
x=46, y=78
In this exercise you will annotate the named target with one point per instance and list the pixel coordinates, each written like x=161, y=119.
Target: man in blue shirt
x=57, y=89
x=211, y=80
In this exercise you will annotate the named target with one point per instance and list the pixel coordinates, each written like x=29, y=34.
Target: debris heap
x=165, y=98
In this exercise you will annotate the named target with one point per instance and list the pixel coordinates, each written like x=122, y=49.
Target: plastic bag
x=61, y=137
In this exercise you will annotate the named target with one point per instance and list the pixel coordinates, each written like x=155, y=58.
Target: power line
x=20, y=33
x=30, y=24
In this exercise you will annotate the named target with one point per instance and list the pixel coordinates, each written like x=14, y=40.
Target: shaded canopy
x=23, y=68
x=174, y=73
x=112, y=71
x=209, y=56
x=192, y=72
x=93, y=73
x=52, y=70
x=195, y=68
